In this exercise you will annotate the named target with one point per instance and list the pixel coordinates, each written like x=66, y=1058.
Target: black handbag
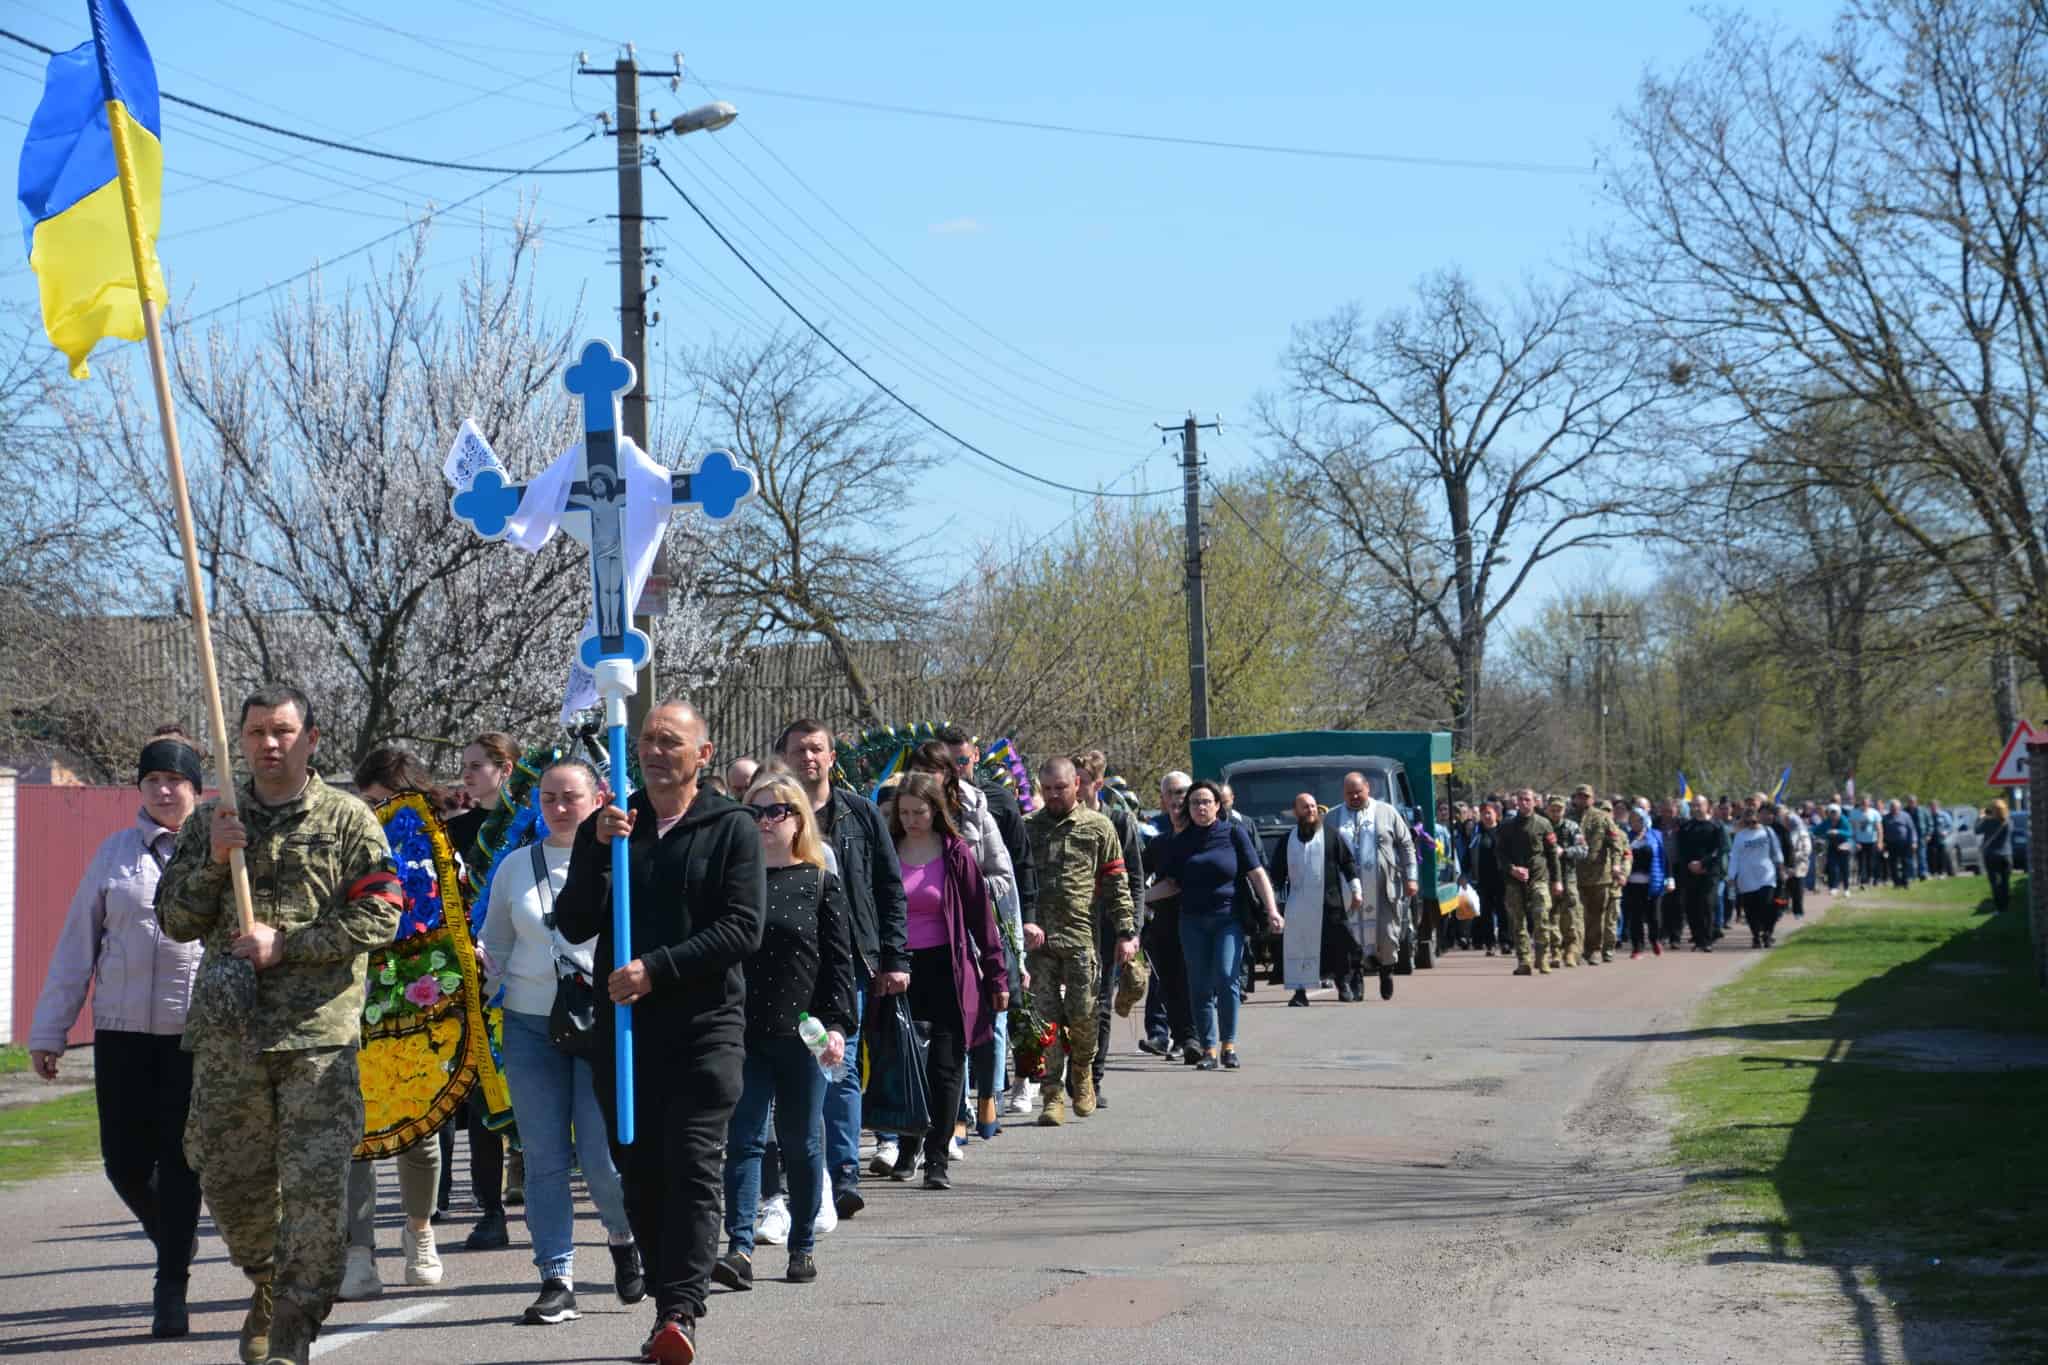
x=572, y=1019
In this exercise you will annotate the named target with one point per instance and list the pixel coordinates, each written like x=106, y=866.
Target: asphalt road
x=1374, y=1177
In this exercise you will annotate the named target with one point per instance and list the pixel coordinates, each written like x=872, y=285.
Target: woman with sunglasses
x=804, y=966
x=958, y=979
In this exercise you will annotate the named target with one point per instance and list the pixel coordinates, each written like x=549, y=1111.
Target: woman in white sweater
x=1756, y=864
x=551, y=1091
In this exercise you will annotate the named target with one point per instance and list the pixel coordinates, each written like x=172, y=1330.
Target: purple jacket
x=976, y=949
x=142, y=979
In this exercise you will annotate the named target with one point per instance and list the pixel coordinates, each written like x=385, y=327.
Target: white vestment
x=1302, y=945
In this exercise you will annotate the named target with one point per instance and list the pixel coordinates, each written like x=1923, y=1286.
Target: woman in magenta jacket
x=958, y=981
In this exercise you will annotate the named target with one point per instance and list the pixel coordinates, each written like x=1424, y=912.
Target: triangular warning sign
x=2011, y=768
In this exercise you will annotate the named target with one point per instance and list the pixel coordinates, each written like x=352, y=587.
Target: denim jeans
x=780, y=1072
x=555, y=1105
x=1214, y=947
x=842, y=1103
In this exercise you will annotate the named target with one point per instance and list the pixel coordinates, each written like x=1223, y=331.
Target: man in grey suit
x=1383, y=847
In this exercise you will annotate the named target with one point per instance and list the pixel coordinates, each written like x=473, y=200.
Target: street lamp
x=707, y=117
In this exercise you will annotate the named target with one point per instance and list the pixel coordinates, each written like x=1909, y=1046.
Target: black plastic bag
x=896, y=1094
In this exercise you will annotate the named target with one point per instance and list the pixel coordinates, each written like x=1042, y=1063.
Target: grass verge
x=13, y=1060
x=41, y=1139
x=1854, y=1115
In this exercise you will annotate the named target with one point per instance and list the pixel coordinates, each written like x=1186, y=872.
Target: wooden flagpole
x=174, y=460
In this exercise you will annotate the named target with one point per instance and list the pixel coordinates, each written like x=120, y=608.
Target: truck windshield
x=1266, y=795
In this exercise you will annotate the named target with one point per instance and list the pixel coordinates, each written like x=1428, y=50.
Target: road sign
x=2011, y=768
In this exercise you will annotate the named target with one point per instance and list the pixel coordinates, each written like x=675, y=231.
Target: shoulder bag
x=572, y=1020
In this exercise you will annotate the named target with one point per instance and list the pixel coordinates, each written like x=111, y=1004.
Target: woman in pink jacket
x=142, y=983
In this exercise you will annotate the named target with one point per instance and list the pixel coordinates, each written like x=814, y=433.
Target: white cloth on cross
x=1302, y=945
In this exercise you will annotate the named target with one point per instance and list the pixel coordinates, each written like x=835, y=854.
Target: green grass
x=42, y=1139
x=13, y=1060
x=1805, y=1149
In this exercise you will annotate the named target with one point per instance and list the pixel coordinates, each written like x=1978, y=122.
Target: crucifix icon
x=613, y=499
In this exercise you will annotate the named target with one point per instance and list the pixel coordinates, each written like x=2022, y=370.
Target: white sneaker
x=959, y=1150
x=422, y=1262
x=828, y=1213
x=884, y=1159
x=772, y=1227
x=359, y=1277
x=1023, y=1098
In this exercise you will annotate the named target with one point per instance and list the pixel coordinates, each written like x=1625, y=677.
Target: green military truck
x=1402, y=767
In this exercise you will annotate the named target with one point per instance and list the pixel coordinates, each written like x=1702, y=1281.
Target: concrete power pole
x=1198, y=609
x=626, y=75
x=1600, y=639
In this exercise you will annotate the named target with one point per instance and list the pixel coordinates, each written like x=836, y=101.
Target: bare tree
x=1456, y=445
x=823, y=554
x=1860, y=217
x=332, y=556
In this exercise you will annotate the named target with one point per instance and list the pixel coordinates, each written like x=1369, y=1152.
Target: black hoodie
x=700, y=896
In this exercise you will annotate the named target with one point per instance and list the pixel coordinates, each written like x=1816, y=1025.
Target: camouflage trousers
x=1528, y=917
x=271, y=1134
x=1600, y=900
x=1064, y=983
x=1562, y=923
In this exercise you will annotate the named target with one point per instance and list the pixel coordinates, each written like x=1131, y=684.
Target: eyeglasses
x=962, y=761
x=769, y=814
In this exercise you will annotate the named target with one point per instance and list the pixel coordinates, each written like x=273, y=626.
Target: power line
x=1214, y=144
x=1282, y=555
x=334, y=143
x=866, y=374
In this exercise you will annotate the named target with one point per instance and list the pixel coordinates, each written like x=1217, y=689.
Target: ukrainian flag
x=91, y=187
x=1684, y=788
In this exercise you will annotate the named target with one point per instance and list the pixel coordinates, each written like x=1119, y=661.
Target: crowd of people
x=775, y=914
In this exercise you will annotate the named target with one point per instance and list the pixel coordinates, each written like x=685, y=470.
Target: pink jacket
x=111, y=941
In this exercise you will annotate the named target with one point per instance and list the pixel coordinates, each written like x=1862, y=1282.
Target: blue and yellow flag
x=1784, y=781
x=91, y=187
x=1684, y=788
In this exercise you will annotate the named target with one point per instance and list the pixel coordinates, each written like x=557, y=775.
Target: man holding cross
x=276, y=1014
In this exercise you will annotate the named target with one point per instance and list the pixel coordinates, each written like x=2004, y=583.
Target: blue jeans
x=842, y=1103
x=781, y=1072
x=1214, y=947
x=552, y=1099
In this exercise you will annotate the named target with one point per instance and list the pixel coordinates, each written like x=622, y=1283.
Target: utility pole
x=1198, y=610
x=1600, y=639
x=633, y=291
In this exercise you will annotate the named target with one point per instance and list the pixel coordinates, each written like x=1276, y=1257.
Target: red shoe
x=672, y=1342
x=1656, y=947
x=1636, y=956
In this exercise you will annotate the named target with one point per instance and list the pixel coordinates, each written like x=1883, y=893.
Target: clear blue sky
x=1166, y=277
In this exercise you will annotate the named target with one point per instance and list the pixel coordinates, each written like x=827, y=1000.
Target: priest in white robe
x=1313, y=872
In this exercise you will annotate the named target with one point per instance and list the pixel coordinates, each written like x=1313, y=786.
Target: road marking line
x=397, y=1317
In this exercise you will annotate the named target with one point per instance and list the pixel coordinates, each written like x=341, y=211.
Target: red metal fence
x=57, y=830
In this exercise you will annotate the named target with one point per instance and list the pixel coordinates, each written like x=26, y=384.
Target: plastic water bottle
x=813, y=1034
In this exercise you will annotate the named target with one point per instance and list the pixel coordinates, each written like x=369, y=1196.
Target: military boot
x=1081, y=1076
x=254, y=1346
x=1052, y=1099
x=291, y=1335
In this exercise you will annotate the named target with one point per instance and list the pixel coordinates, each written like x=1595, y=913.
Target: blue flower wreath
x=412, y=848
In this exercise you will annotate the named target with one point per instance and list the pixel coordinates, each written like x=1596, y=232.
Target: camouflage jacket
x=1076, y=856
x=321, y=872
x=1572, y=848
x=1606, y=847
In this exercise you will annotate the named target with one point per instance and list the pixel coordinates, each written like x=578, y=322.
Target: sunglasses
x=963, y=761
x=769, y=814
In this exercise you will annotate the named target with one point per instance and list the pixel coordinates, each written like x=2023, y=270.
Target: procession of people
x=776, y=912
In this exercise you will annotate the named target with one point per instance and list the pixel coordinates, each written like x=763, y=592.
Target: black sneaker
x=734, y=1271
x=629, y=1281
x=847, y=1203
x=557, y=1303
x=1208, y=1064
x=935, y=1178
x=1155, y=1047
x=803, y=1268
x=168, y=1317
x=489, y=1234
x=673, y=1341
x=1386, y=983
x=906, y=1160
x=1230, y=1062
x=1300, y=998
x=1190, y=1055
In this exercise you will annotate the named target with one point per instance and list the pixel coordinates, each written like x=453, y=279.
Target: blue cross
x=597, y=496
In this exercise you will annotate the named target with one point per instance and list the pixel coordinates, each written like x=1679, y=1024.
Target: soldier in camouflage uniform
x=1077, y=855
x=1528, y=850
x=1563, y=920
x=1601, y=872
x=276, y=1015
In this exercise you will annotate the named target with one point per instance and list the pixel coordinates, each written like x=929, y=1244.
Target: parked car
x=1963, y=846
